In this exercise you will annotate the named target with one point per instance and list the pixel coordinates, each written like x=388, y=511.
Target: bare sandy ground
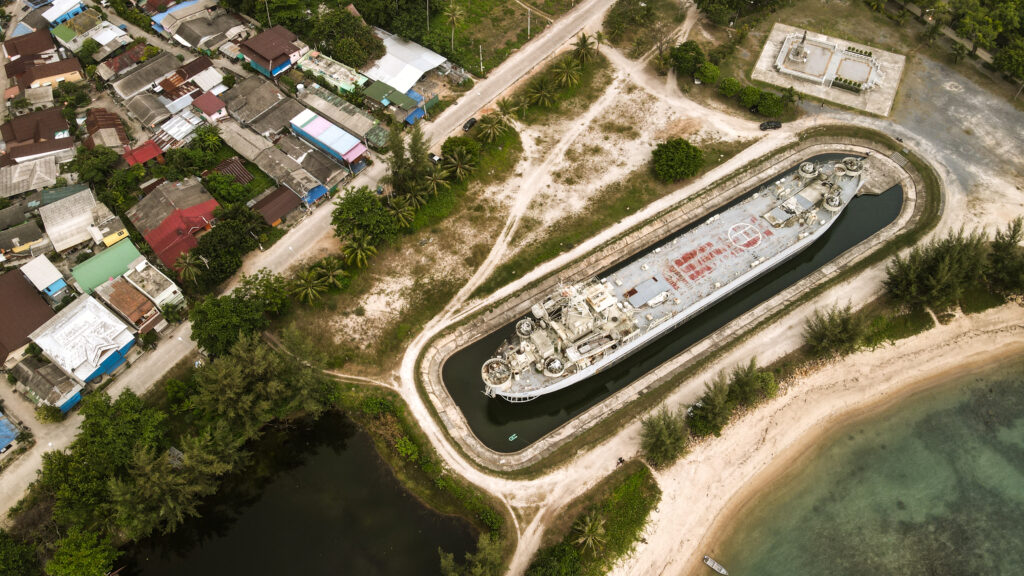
x=721, y=474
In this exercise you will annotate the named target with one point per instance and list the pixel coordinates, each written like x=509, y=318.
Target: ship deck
x=704, y=259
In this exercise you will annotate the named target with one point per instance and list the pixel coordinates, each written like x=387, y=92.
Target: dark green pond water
x=932, y=486
x=494, y=420
x=317, y=501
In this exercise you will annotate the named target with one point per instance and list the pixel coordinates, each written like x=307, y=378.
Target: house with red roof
x=211, y=107
x=144, y=153
x=172, y=216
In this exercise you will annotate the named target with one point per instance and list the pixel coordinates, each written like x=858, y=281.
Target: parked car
x=469, y=124
x=771, y=125
x=434, y=158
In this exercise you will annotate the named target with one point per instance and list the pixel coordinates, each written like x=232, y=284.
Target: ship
x=580, y=329
x=715, y=565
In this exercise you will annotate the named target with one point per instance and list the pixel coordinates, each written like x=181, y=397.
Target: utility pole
x=267, y=4
x=428, y=16
x=528, y=14
x=481, y=59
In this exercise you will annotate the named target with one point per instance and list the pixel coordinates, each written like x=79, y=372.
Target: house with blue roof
x=63, y=10
x=8, y=433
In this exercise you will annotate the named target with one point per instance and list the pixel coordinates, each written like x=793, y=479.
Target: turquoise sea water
x=933, y=485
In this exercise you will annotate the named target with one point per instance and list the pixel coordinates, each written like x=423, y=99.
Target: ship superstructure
x=580, y=329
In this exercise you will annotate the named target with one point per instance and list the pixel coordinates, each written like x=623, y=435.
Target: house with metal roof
x=333, y=72
x=146, y=76
x=131, y=305
x=23, y=311
x=85, y=339
x=172, y=216
x=108, y=264
x=211, y=32
x=20, y=240
x=154, y=284
x=33, y=44
x=37, y=135
x=145, y=152
x=350, y=117
x=27, y=176
x=45, y=277
x=62, y=11
x=247, y=143
x=178, y=130
x=79, y=218
x=104, y=128
x=329, y=138
x=273, y=205
x=8, y=433
x=403, y=63
x=287, y=172
x=149, y=109
x=121, y=63
x=251, y=98
x=320, y=165
x=211, y=107
x=45, y=383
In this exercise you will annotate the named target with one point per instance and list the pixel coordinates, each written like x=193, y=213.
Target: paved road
x=298, y=242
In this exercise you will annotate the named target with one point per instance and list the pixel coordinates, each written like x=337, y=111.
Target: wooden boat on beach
x=715, y=565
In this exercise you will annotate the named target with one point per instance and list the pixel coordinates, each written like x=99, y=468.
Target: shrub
x=749, y=385
x=708, y=73
x=714, y=409
x=676, y=160
x=837, y=331
x=769, y=105
x=687, y=58
x=50, y=414
x=750, y=96
x=729, y=87
x=407, y=449
x=937, y=273
x=664, y=437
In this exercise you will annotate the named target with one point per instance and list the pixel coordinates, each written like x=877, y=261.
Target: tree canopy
x=360, y=209
x=676, y=160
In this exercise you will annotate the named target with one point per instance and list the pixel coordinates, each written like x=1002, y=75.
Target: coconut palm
x=418, y=195
x=331, y=272
x=188, y=265
x=309, y=286
x=599, y=38
x=359, y=248
x=583, y=48
x=454, y=14
x=459, y=163
x=567, y=72
x=207, y=138
x=490, y=127
x=541, y=92
x=589, y=532
x=402, y=209
x=436, y=179
x=509, y=110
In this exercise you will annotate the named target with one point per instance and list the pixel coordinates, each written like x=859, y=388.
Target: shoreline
x=704, y=493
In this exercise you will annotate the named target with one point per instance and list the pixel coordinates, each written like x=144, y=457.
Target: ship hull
x=655, y=333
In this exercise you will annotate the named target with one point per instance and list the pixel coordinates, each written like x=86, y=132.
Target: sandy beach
x=704, y=491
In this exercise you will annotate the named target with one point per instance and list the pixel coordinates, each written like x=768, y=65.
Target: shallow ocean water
x=933, y=485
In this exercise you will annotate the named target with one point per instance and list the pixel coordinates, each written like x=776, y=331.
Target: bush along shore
x=969, y=272
x=601, y=526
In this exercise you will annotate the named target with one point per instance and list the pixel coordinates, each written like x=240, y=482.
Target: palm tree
x=436, y=180
x=402, y=209
x=490, y=127
x=188, y=267
x=359, y=248
x=418, y=195
x=455, y=14
x=541, y=92
x=459, y=163
x=583, y=48
x=590, y=532
x=567, y=72
x=599, y=38
x=331, y=272
x=309, y=286
x=509, y=109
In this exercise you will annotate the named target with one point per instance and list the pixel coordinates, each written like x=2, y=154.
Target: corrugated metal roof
x=326, y=133
x=41, y=272
x=111, y=263
x=81, y=336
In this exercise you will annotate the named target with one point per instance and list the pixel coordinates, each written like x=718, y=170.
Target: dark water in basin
x=317, y=501
x=494, y=421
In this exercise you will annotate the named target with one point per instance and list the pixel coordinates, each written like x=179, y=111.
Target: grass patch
x=552, y=7
x=568, y=100
x=623, y=500
x=612, y=204
x=978, y=299
x=636, y=39
x=493, y=28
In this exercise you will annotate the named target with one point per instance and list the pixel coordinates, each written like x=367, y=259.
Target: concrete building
x=146, y=76
x=78, y=219
x=37, y=135
x=45, y=277
x=62, y=11
x=131, y=305
x=172, y=216
x=328, y=137
x=153, y=284
x=36, y=43
x=51, y=74
x=85, y=340
x=210, y=107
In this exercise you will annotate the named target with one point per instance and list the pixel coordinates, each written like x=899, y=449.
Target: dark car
x=469, y=124
x=771, y=125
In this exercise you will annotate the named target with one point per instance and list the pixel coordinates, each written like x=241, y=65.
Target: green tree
x=837, y=331
x=676, y=160
x=729, y=87
x=566, y=73
x=749, y=384
x=490, y=127
x=487, y=560
x=402, y=209
x=149, y=52
x=437, y=180
x=562, y=559
x=454, y=15
x=17, y=558
x=218, y=322
x=155, y=495
x=1010, y=60
x=269, y=289
x=49, y=414
x=750, y=96
x=708, y=74
x=419, y=161
x=95, y=166
x=347, y=38
x=959, y=51
x=770, y=105
x=460, y=163
x=89, y=47
x=189, y=267
x=1005, y=266
x=399, y=167
x=206, y=138
x=589, y=532
x=583, y=49
x=358, y=249
x=714, y=409
x=541, y=92
x=664, y=437
x=82, y=553
x=332, y=273
x=309, y=287
x=225, y=188
x=687, y=58
x=359, y=209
